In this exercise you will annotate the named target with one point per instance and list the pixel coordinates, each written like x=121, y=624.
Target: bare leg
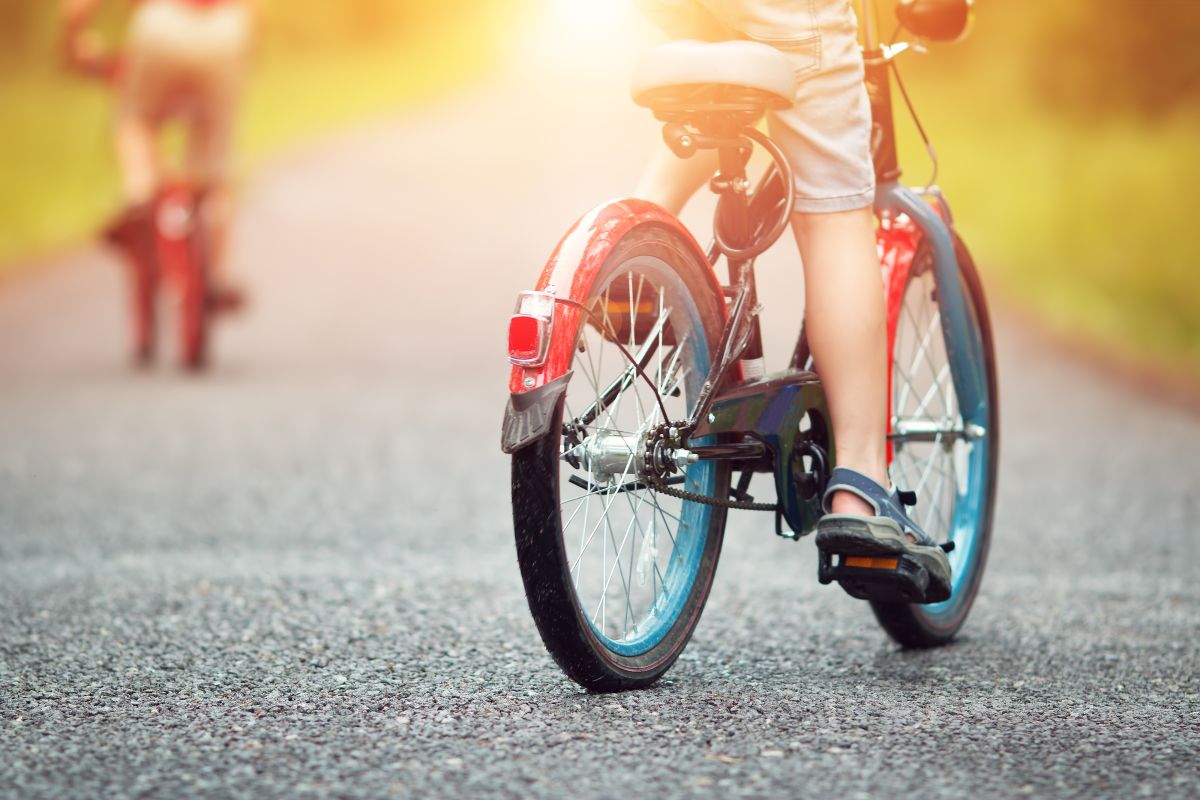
x=218, y=214
x=210, y=137
x=670, y=180
x=137, y=153
x=845, y=321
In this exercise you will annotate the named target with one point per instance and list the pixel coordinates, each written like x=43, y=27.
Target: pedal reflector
x=870, y=562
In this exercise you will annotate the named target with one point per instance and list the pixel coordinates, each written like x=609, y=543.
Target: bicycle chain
x=683, y=494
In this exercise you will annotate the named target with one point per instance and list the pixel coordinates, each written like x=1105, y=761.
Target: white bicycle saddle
x=687, y=62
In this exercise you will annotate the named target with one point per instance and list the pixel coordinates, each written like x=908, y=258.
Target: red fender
x=897, y=243
x=897, y=239
x=573, y=267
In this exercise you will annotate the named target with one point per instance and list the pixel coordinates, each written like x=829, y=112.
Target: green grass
x=57, y=176
x=1087, y=224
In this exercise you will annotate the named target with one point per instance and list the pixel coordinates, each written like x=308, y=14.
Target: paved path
x=295, y=577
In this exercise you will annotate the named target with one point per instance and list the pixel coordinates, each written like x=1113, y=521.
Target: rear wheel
x=948, y=457
x=144, y=290
x=194, y=307
x=616, y=573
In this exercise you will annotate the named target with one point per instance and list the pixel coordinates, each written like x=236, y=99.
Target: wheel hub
x=610, y=454
x=613, y=455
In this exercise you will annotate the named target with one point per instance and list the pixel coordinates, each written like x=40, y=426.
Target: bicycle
x=168, y=243
x=629, y=414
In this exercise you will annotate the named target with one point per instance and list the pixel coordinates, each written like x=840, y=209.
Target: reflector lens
x=868, y=562
x=525, y=339
x=529, y=329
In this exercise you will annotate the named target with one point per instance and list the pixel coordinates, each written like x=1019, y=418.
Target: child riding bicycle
x=181, y=60
x=827, y=138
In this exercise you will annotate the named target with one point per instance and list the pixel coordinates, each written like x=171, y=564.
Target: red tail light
x=529, y=329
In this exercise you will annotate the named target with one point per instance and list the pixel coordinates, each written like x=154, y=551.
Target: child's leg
x=137, y=155
x=670, y=180
x=846, y=327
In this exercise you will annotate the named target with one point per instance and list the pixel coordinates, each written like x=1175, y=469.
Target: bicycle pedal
x=884, y=578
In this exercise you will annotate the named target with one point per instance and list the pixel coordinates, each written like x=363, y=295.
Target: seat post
x=733, y=186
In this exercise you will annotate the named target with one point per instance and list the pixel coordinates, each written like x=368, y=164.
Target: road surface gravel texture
x=294, y=576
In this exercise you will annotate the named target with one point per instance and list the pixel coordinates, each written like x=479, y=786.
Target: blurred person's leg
x=144, y=94
x=137, y=156
x=209, y=153
x=218, y=49
x=141, y=94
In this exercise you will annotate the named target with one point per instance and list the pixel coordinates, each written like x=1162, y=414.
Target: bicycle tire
x=194, y=311
x=967, y=521
x=143, y=276
x=593, y=649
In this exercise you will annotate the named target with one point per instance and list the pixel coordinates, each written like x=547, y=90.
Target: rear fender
x=568, y=275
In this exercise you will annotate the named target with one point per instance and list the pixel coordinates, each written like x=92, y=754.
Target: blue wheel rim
x=674, y=583
x=965, y=525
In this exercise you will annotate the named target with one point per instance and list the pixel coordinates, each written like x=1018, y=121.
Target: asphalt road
x=295, y=575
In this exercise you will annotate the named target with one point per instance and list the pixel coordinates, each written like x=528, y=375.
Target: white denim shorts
x=827, y=133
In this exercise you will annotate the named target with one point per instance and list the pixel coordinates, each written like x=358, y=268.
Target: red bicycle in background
x=165, y=248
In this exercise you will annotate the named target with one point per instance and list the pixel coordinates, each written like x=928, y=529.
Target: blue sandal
x=861, y=540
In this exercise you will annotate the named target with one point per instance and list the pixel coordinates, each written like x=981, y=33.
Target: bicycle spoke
x=616, y=562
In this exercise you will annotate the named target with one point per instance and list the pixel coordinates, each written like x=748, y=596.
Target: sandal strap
x=890, y=505
x=844, y=479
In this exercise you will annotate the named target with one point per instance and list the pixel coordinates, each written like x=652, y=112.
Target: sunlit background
x=1067, y=130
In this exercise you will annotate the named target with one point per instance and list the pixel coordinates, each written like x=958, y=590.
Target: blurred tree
x=15, y=19
x=28, y=27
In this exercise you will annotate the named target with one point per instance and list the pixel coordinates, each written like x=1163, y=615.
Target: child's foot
x=226, y=298
x=885, y=528
x=129, y=229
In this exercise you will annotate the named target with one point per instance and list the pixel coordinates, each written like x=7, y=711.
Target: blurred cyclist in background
x=181, y=60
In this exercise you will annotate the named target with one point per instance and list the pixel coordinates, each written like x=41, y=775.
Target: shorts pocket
x=805, y=54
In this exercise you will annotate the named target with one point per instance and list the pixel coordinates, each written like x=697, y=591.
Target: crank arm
x=739, y=451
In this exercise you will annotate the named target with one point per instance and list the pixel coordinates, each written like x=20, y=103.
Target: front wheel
x=946, y=455
x=616, y=573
